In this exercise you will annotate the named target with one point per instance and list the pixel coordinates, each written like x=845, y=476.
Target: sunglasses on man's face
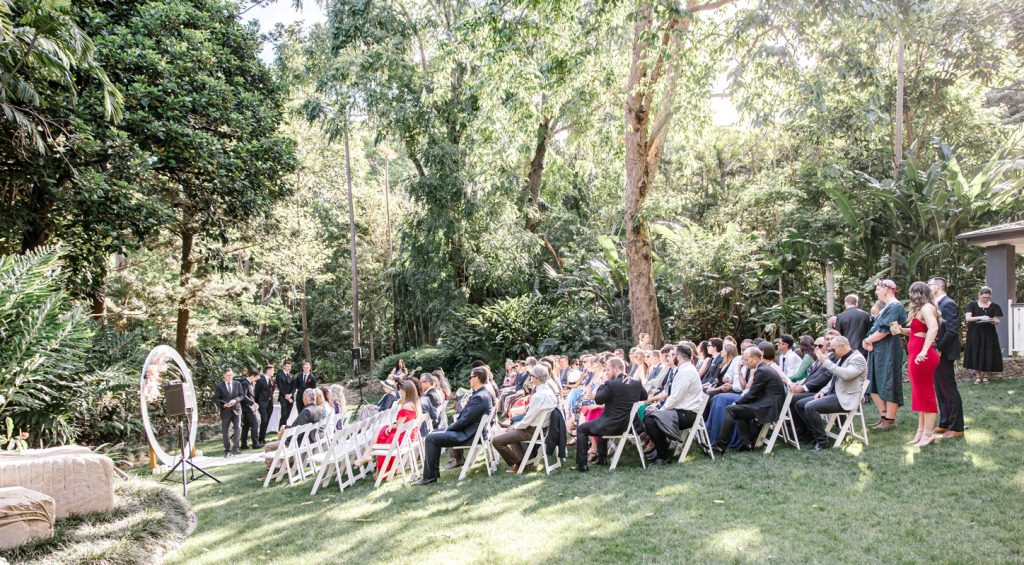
x=819, y=345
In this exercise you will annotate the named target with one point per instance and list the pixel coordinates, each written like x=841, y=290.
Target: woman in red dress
x=409, y=409
x=923, y=358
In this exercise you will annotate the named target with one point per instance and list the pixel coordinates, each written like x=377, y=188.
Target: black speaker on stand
x=174, y=397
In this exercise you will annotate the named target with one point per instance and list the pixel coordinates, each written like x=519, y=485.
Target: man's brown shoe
x=886, y=424
x=949, y=434
x=940, y=431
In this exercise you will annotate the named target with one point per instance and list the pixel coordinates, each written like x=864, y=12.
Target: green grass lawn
x=957, y=502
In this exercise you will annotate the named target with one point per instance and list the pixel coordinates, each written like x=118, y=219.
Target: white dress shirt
x=686, y=389
x=790, y=362
x=541, y=403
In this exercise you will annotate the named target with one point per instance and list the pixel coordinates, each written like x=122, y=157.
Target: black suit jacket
x=302, y=383
x=766, y=395
x=285, y=385
x=479, y=406
x=262, y=393
x=618, y=396
x=853, y=324
x=714, y=372
x=948, y=340
x=248, y=398
x=226, y=392
x=817, y=377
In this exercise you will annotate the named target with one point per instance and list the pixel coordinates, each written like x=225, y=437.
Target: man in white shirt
x=789, y=360
x=509, y=444
x=679, y=411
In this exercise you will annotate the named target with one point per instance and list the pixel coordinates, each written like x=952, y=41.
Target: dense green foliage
x=199, y=196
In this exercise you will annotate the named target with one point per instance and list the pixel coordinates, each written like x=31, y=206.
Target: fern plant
x=43, y=340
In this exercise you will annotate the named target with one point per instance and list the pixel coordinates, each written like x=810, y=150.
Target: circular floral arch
x=149, y=389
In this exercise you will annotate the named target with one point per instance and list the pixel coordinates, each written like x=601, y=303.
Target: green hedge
x=428, y=358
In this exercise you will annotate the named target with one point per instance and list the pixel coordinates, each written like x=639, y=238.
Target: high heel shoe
x=926, y=439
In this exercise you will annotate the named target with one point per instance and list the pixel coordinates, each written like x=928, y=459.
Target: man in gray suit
x=842, y=394
x=228, y=397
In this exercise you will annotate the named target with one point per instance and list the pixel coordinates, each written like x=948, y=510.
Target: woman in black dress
x=983, y=353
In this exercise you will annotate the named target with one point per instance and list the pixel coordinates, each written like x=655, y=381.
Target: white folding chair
x=783, y=425
x=480, y=444
x=442, y=415
x=399, y=450
x=849, y=426
x=629, y=435
x=699, y=431
x=287, y=459
x=337, y=460
x=539, y=442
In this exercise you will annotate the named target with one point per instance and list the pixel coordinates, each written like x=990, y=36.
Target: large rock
x=25, y=515
x=78, y=480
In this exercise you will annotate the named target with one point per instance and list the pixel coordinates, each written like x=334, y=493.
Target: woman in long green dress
x=887, y=356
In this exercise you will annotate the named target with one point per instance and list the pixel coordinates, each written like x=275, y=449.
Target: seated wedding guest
x=323, y=400
x=617, y=396
x=817, y=377
x=842, y=394
x=509, y=444
x=389, y=385
x=563, y=370
x=460, y=432
x=829, y=334
x=430, y=398
x=309, y=415
x=728, y=339
x=338, y=402
x=806, y=353
x=789, y=360
x=657, y=372
x=679, y=411
x=409, y=409
x=511, y=370
x=731, y=362
x=702, y=361
x=762, y=403
x=768, y=356
x=715, y=351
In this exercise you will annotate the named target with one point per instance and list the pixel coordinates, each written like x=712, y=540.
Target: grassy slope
x=956, y=502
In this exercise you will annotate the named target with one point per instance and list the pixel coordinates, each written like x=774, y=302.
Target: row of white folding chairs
x=339, y=457
x=787, y=426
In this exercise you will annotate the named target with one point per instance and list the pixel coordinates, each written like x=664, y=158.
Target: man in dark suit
x=250, y=411
x=711, y=377
x=460, y=432
x=264, y=401
x=229, y=396
x=763, y=402
x=306, y=380
x=854, y=323
x=285, y=384
x=951, y=407
x=617, y=395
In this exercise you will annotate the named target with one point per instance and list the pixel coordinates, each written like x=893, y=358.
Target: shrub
x=428, y=357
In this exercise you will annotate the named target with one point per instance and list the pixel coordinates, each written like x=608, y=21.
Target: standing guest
x=285, y=384
x=789, y=360
x=983, y=352
x=645, y=341
x=887, y=356
x=762, y=402
x=542, y=402
x=338, y=402
x=617, y=395
x=305, y=381
x=250, y=410
x=264, y=401
x=679, y=412
x=924, y=359
x=841, y=394
x=229, y=396
x=854, y=323
x=462, y=430
x=951, y=407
